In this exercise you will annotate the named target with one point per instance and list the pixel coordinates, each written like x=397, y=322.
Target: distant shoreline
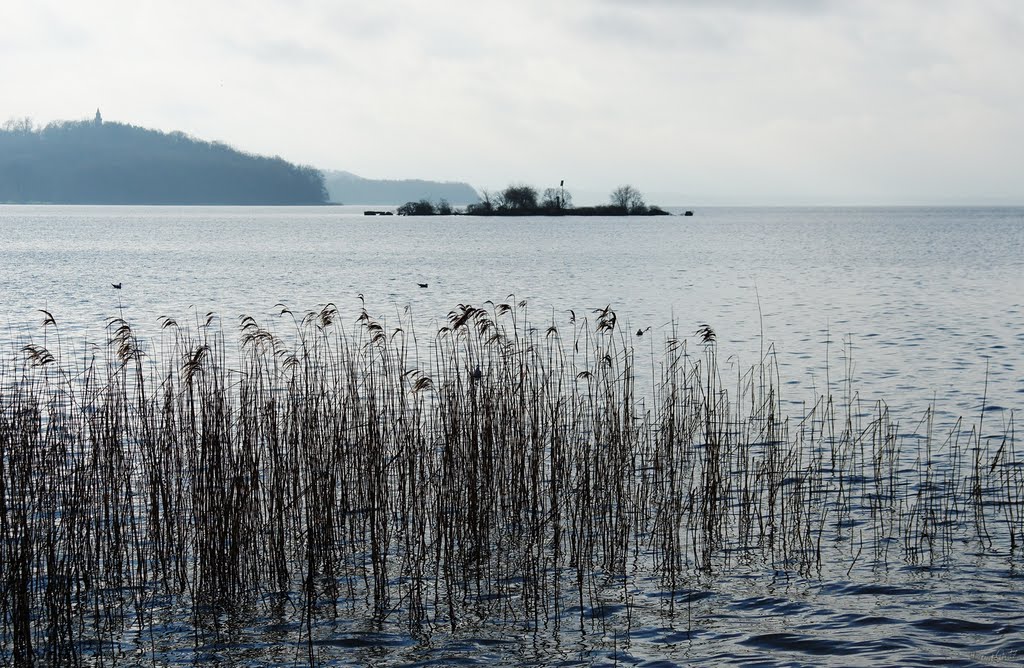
x=581, y=211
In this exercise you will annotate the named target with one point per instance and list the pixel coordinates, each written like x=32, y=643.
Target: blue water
x=916, y=306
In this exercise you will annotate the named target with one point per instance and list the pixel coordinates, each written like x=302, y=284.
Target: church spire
x=99, y=119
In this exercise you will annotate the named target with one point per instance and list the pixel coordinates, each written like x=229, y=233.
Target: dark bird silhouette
x=422, y=285
x=116, y=286
x=477, y=373
x=640, y=332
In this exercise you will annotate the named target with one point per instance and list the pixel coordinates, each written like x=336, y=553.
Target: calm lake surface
x=917, y=307
x=925, y=302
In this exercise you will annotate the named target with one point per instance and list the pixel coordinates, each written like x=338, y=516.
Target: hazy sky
x=697, y=101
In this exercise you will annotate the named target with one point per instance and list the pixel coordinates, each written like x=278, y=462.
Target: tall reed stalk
x=494, y=470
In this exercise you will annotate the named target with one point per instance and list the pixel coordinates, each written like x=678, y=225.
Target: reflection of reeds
x=505, y=472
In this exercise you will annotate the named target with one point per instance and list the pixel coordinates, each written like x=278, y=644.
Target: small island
x=523, y=200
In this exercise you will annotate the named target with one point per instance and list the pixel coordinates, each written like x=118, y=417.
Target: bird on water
x=423, y=285
x=116, y=286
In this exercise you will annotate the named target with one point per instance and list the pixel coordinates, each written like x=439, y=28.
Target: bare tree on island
x=522, y=200
x=629, y=199
x=486, y=204
x=556, y=199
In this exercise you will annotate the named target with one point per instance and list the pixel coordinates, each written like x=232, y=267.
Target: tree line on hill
x=524, y=200
x=97, y=162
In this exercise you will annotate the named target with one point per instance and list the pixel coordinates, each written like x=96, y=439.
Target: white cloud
x=742, y=101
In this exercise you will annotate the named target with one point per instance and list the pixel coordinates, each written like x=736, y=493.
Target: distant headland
x=98, y=162
x=348, y=188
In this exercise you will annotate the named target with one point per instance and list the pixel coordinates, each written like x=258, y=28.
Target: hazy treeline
x=96, y=162
x=347, y=188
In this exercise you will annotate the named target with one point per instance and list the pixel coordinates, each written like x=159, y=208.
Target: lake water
x=927, y=302
x=922, y=306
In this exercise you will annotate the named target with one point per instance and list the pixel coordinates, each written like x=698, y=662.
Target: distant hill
x=96, y=162
x=347, y=188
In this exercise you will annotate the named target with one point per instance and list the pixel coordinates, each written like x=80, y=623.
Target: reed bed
x=491, y=470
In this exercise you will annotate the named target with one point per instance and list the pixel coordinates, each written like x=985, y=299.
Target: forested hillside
x=97, y=162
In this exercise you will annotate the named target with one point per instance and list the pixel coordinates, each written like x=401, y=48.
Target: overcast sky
x=697, y=101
